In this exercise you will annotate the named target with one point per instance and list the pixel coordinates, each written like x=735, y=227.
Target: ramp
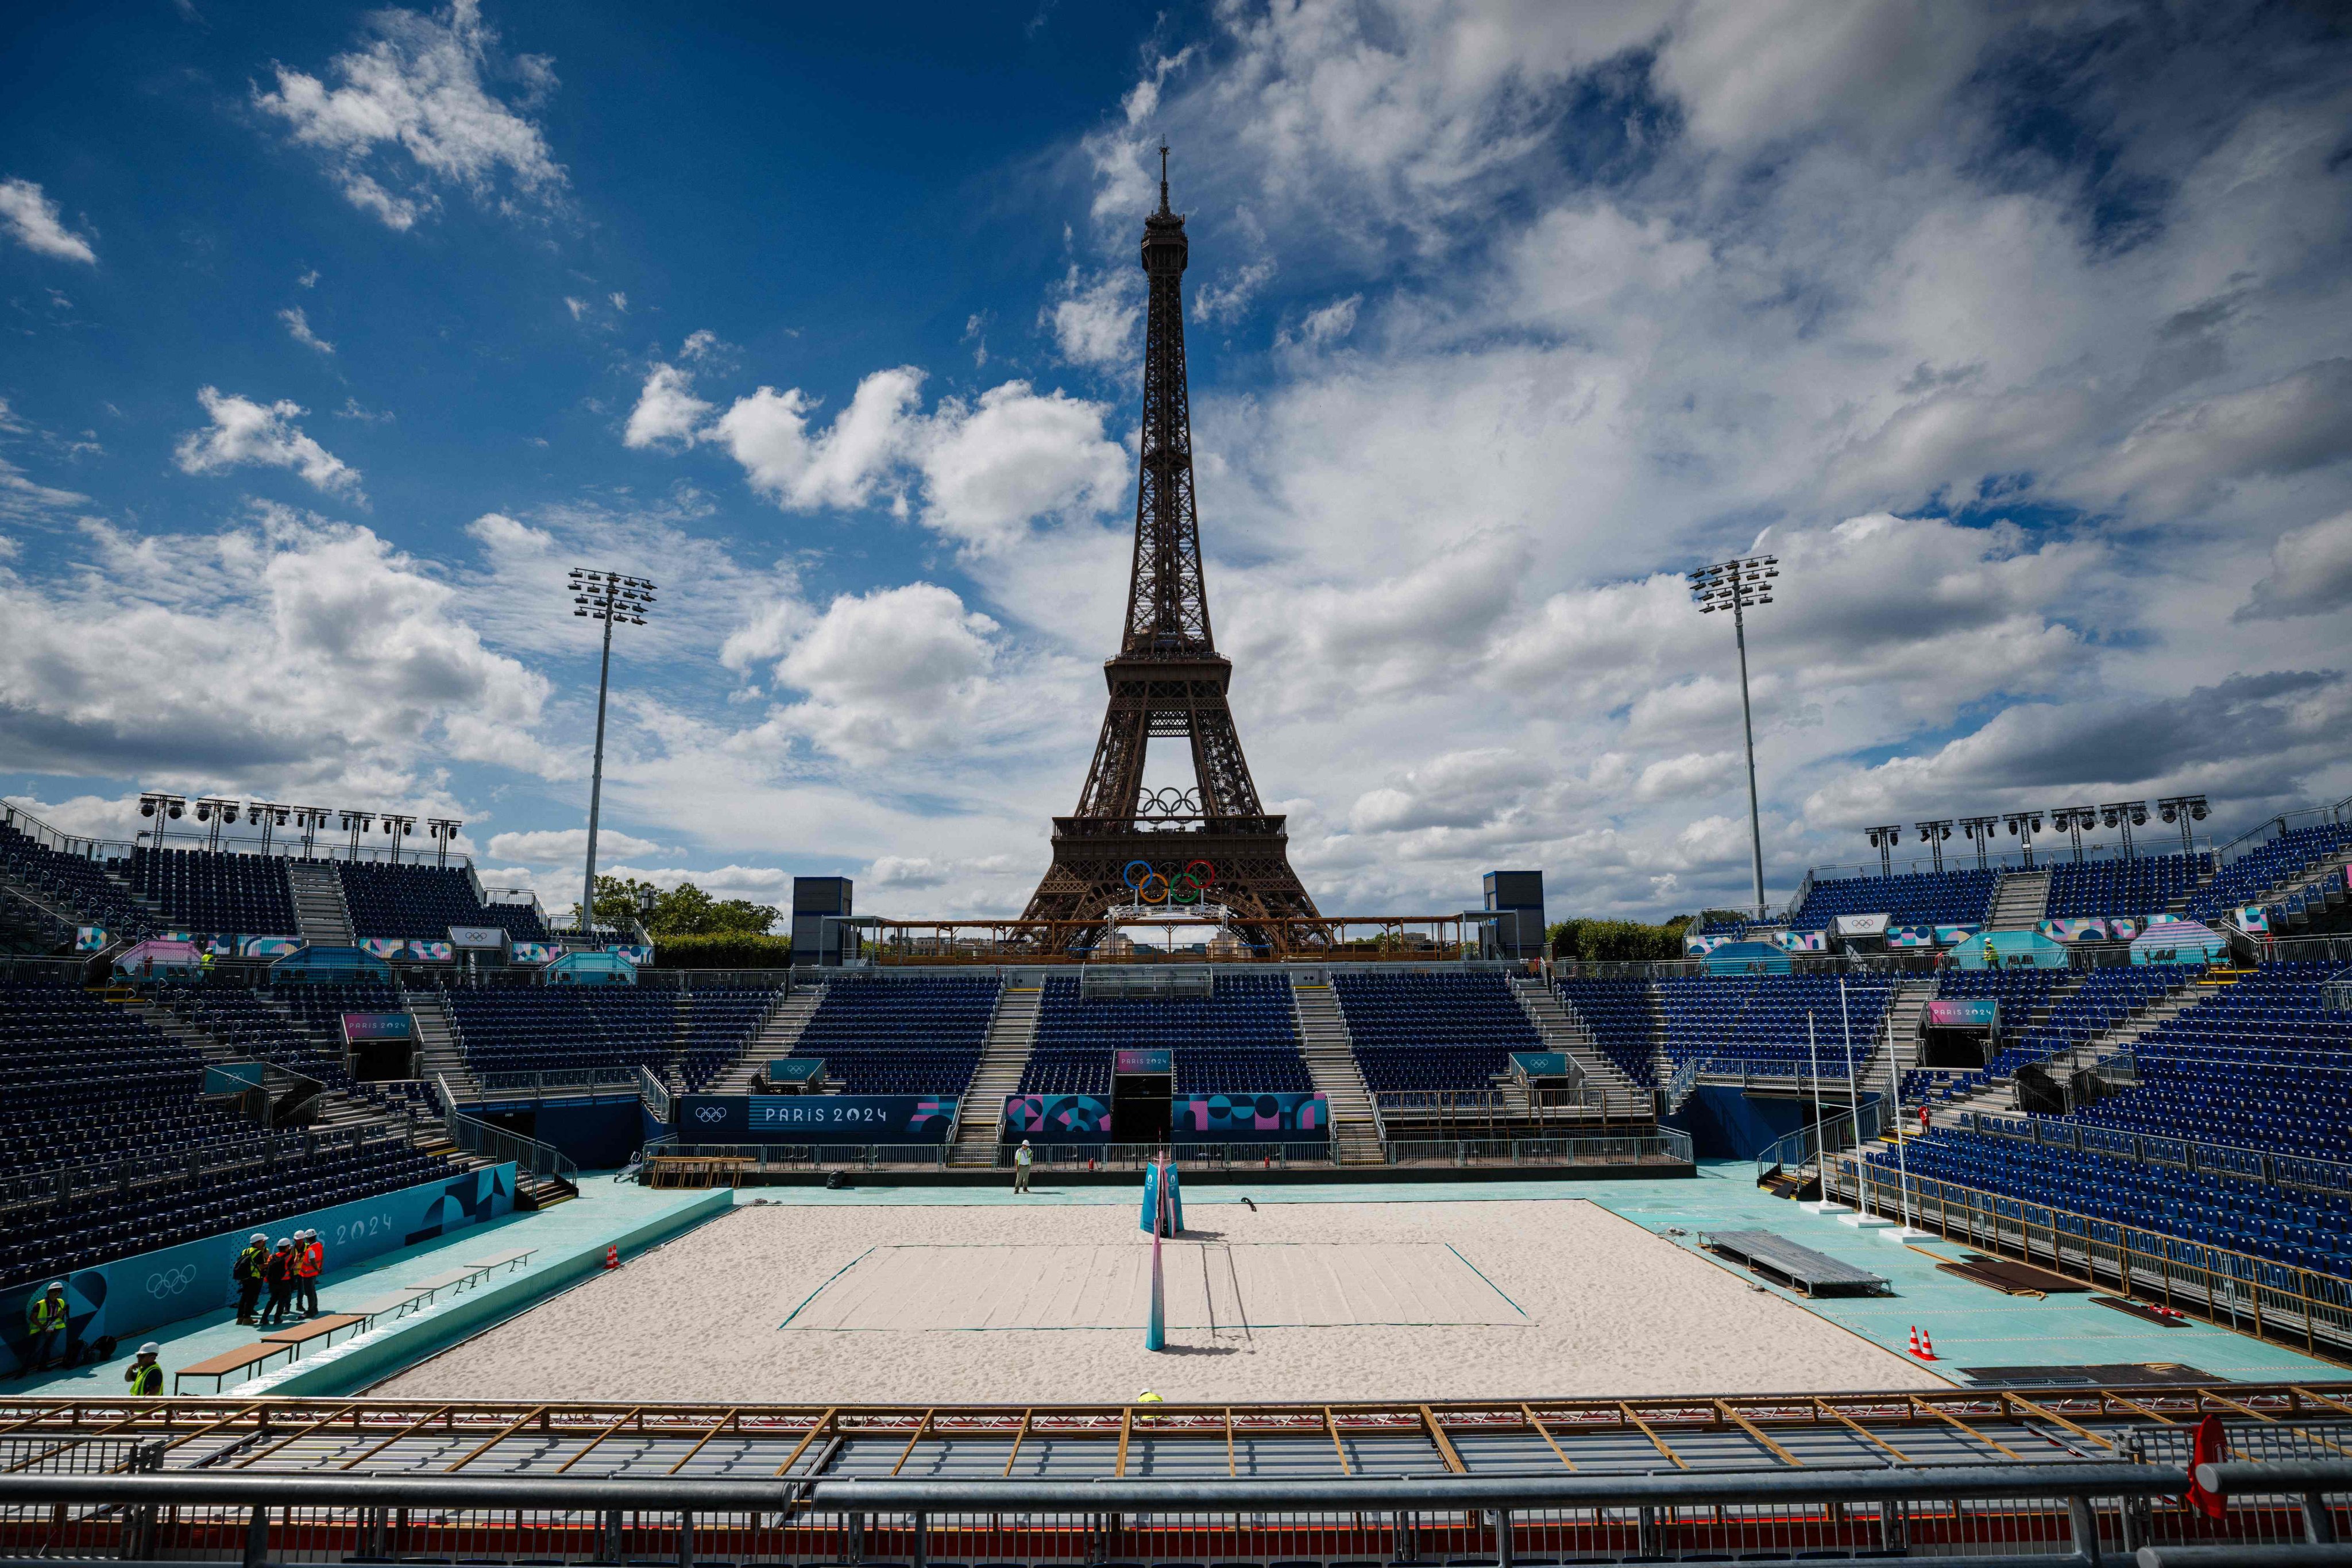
x=1798, y=1267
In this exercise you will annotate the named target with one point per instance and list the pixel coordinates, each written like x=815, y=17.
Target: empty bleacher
x=1624, y=1017
x=918, y=1036
x=1240, y=1038
x=1759, y=1021
x=424, y=901
x=74, y=883
x=1921, y=897
x=1421, y=1032
x=564, y=1028
x=2246, y=879
x=214, y=894
x=95, y=1101
x=2090, y=889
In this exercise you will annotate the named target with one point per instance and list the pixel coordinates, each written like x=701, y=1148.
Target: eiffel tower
x=1169, y=683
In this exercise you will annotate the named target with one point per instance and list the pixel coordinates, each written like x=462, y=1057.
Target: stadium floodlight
x=215, y=813
x=164, y=808
x=309, y=819
x=441, y=829
x=2070, y=820
x=1983, y=829
x=2023, y=824
x=356, y=823
x=2184, y=809
x=2122, y=816
x=1883, y=839
x=609, y=597
x=270, y=815
x=1935, y=835
x=1738, y=586
x=397, y=828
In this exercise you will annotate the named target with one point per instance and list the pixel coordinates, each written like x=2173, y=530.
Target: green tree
x=1618, y=940
x=683, y=910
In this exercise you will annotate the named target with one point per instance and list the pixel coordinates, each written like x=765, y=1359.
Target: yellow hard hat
x=1147, y=1396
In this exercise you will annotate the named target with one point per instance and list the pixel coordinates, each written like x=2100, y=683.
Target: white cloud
x=246, y=432
x=578, y=307
x=620, y=302
x=1225, y=300
x=567, y=846
x=2310, y=574
x=298, y=327
x=1326, y=324
x=1098, y=322
x=992, y=469
x=887, y=672
x=666, y=410
x=33, y=218
x=767, y=434
x=416, y=107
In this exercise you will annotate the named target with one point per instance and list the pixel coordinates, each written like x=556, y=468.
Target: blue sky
x=333, y=336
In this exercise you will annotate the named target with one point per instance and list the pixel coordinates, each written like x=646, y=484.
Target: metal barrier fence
x=553, y=1085
x=2152, y=1149
x=2039, y=1513
x=1668, y=1146
x=531, y=1157
x=2271, y=1301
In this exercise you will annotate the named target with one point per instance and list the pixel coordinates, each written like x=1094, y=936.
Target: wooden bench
x=399, y=1304
x=513, y=1259
x=451, y=1279
x=322, y=1327
x=221, y=1367
x=697, y=1171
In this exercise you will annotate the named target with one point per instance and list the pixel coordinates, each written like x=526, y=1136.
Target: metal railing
x=255, y=1153
x=2056, y=1512
x=654, y=1093
x=1801, y=1151
x=2153, y=1149
x=530, y=1157
x=1667, y=1145
x=560, y=1083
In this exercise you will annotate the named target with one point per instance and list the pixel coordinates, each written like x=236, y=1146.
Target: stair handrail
x=654, y=1093
x=479, y=1137
x=1835, y=1133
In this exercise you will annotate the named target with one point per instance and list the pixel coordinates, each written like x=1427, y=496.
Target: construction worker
x=246, y=1272
x=309, y=1259
x=46, y=1322
x=146, y=1374
x=277, y=1273
x=1147, y=1398
x=1021, y=1159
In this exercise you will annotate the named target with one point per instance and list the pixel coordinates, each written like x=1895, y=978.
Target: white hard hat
x=257, y=1236
x=57, y=1285
x=284, y=1242
x=150, y=1348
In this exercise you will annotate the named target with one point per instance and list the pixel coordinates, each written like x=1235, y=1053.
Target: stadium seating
x=2246, y=879
x=84, y=1083
x=1761, y=1020
x=714, y=1026
x=2021, y=992
x=425, y=901
x=77, y=884
x=919, y=1035
x=214, y=894
x=1624, y=1017
x=558, y=1028
x=2105, y=998
x=1419, y=1033
x=1923, y=898
x=2088, y=889
x=2300, y=1228
x=1241, y=1039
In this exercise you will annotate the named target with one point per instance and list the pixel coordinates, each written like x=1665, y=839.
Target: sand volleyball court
x=1002, y=1304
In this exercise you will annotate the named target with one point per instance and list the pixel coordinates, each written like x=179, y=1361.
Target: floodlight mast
x=1737, y=585
x=606, y=596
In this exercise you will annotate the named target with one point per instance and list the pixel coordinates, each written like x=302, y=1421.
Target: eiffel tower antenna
x=1167, y=682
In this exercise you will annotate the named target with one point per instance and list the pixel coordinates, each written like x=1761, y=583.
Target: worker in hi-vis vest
x=145, y=1374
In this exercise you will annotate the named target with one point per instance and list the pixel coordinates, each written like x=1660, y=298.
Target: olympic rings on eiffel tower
x=1155, y=887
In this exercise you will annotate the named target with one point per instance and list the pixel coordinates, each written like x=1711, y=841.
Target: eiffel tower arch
x=1167, y=682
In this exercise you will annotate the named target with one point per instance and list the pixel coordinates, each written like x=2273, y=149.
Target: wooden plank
x=1444, y=1444
x=908, y=1452
x=1755, y=1432
x=2055, y=1419
x=1657, y=1442
x=1946, y=1416
x=1843, y=1419
x=1229, y=1442
x=1536, y=1422
x=717, y=1427
x=413, y=1428
x=509, y=1430
x=329, y=1419
x=792, y=1459
x=1337, y=1447
x=1126, y=1428
x=633, y=1413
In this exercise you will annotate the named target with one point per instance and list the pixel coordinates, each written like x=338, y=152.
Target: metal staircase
x=1998, y=1097
x=1003, y=1057
x=1621, y=1099
x=323, y=919
x=2019, y=900
x=1898, y=1032
x=776, y=1038
x=1330, y=1053
x=441, y=1055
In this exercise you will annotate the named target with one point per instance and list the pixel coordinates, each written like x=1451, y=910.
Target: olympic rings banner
x=1168, y=883
x=802, y=1118
x=134, y=1294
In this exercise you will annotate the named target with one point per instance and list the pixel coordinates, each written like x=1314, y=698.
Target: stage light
x=1738, y=586
x=1883, y=839
x=1935, y=833
x=2186, y=810
x=2072, y=819
x=1981, y=829
x=2122, y=816
x=2023, y=826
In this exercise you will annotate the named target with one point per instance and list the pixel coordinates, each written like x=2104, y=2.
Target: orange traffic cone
x=1927, y=1345
x=612, y=1256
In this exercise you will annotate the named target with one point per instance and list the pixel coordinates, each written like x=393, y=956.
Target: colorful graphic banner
x=2254, y=921
x=88, y=939
x=1208, y=1118
x=1952, y=936
x=2122, y=928
x=800, y=1118
x=637, y=955
x=2155, y=921
x=2074, y=930
x=269, y=946
x=378, y=1026
x=1802, y=941
x=1155, y=1063
x=1056, y=1119
x=432, y=951
x=1700, y=946
x=1910, y=936
x=384, y=947
x=1964, y=1012
x=532, y=953
x=127, y=1298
